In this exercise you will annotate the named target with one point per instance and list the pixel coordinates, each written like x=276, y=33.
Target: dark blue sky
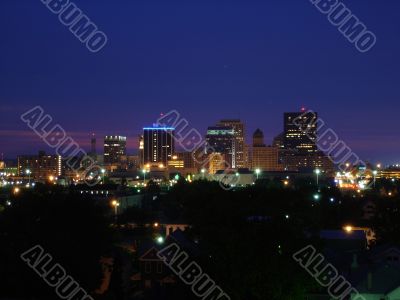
x=207, y=59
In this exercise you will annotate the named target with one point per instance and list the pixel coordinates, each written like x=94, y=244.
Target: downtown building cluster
x=225, y=148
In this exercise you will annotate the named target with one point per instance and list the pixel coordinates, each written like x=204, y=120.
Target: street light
x=348, y=228
x=115, y=203
x=144, y=176
x=258, y=171
x=103, y=172
x=374, y=172
x=203, y=171
x=317, y=171
x=29, y=176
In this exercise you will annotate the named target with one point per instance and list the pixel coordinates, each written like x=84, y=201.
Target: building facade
x=239, y=157
x=158, y=144
x=221, y=139
x=114, y=149
x=265, y=158
x=39, y=167
x=301, y=138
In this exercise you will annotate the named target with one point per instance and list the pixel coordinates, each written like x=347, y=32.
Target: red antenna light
x=303, y=109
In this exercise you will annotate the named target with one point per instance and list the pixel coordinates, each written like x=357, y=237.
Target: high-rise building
x=300, y=131
x=158, y=144
x=238, y=153
x=114, y=149
x=264, y=157
x=40, y=166
x=221, y=139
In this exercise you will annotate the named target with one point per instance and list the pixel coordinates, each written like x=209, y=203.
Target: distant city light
x=160, y=240
x=348, y=228
x=316, y=196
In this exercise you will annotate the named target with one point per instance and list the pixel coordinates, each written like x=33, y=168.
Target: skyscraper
x=158, y=144
x=221, y=139
x=300, y=131
x=114, y=149
x=238, y=154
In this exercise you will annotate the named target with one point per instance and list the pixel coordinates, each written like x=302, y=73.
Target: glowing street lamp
x=16, y=190
x=103, y=172
x=115, y=204
x=258, y=171
x=348, y=228
x=203, y=171
x=29, y=176
x=317, y=171
x=374, y=172
x=144, y=176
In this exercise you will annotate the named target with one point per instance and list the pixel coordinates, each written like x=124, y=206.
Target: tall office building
x=264, y=157
x=301, y=136
x=221, y=139
x=114, y=149
x=238, y=154
x=158, y=144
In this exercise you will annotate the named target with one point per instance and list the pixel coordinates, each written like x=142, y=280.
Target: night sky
x=207, y=59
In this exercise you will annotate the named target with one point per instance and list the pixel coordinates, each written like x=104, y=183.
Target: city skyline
x=85, y=140
x=235, y=65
